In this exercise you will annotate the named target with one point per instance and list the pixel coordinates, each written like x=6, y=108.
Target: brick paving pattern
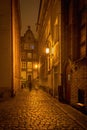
x=35, y=110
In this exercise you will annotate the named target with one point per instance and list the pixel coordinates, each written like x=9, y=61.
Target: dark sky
x=29, y=15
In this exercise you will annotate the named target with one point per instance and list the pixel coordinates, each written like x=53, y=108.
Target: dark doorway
x=81, y=96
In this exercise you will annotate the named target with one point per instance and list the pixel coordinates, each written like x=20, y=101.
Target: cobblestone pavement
x=35, y=110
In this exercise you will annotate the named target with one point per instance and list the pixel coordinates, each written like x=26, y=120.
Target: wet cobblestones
x=34, y=111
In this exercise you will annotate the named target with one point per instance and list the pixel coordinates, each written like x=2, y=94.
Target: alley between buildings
x=37, y=110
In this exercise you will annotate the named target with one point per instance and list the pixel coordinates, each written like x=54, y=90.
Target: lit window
x=23, y=65
x=56, y=30
x=29, y=65
x=29, y=55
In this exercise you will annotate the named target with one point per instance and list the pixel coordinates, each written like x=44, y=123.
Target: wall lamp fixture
x=47, y=50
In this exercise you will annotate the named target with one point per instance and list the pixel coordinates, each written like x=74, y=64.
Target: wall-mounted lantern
x=47, y=50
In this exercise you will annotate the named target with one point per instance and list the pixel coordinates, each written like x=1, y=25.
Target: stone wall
x=79, y=81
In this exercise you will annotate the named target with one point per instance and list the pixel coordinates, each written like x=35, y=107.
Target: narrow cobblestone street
x=36, y=110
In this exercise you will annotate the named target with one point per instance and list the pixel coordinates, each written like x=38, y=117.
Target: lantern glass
x=47, y=50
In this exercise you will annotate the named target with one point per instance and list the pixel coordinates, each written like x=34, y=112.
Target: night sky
x=29, y=15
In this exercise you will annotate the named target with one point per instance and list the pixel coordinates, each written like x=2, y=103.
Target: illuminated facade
x=49, y=35
x=29, y=52
x=62, y=26
x=9, y=47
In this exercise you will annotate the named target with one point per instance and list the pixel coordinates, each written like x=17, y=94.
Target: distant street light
x=36, y=66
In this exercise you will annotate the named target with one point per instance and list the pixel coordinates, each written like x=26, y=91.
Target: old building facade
x=29, y=62
x=9, y=47
x=62, y=26
x=49, y=35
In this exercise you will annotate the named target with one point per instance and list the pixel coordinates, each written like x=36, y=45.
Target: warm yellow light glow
x=52, y=50
x=47, y=50
x=36, y=66
x=56, y=21
x=23, y=75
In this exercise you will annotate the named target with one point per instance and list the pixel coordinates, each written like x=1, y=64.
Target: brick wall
x=79, y=81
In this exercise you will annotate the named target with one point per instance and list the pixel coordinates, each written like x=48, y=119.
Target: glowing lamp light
x=47, y=50
x=36, y=66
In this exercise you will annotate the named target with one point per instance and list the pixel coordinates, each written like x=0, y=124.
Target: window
x=83, y=49
x=23, y=55
x=23, y=65
x=81, y=95
x=29, y=55
x=82, y=33
x=56, y=30
x=26, y=46
x=29, y=66
x=32, y=47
